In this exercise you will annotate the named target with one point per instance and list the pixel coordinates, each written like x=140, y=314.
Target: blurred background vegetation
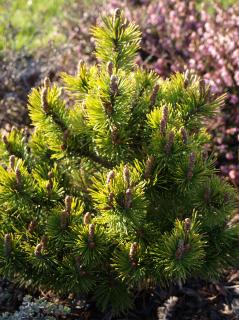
x=31, y=24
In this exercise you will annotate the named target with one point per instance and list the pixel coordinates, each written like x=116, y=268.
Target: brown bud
x=108, y=108
x=165, y=114
x=202, y=88
x=18, y=177
x=110, y=67
x=44, y=240
x=154, y=95
x=128, y=198
x=12, y=162
x=49, y=187
x=149, y=166
x=170, y=142
x=133, y=250
x=180, y=249
x=7, y=244
x=91, y=231
x=184, y=135
x=44, y=102
x=163, y=125
x=87, y=218
x=64, y=139
x=191, y=165
x=7, y=144
x=38, y=250
x=113, y=85
x=64, y=219
x=110, y=177
x=68, y=202
x=115, y=135
x=133, y=254
x=47, y=83
x=111, y=198
x=91, y=242
x=80, y=66
x=187, y=224
x=126, y=175
x=117, y=13
x=32, y=226
x=50, y=174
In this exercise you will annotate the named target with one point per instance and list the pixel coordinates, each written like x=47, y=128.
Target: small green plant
x=113, y=192
x=37, y=309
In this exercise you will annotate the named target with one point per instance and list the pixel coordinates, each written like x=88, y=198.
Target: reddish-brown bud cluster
x=202, y=88
x=6, y=142
x=7, y=244
x=154, y=95
x=32, y=226
x=133, y=254
x=148, y=167
x=38, y=250
x=47, y=83
x=181, y=249
x=64, y=139
x=44, y=93
x=68, y=202
x=117, y=13
x=126, y=175
x=110, y=67
x=81, y=66
x=191, y=165
x=184, y=135
x=87, y=218
x=164, y=121
x=110, y=177
x=91, y=236
x=165, y=113
x=49, y=185
x=187, y=225
x=163, y=126
x=111, y=199
x=64, y=219
x=113, y=85
x=12, y=162
x=128, y=198
x=44, y=240
x=18, y=177
x=115, y=135
x=65, y=215
x=44, y=102
x=170, y=142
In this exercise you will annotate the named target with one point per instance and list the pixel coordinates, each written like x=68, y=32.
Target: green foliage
x=113, y=192
x=29, y=24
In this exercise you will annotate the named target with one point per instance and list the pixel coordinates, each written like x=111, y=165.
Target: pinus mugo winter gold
x=113, y=191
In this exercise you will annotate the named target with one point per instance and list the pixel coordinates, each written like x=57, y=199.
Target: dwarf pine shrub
x=113, y=192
